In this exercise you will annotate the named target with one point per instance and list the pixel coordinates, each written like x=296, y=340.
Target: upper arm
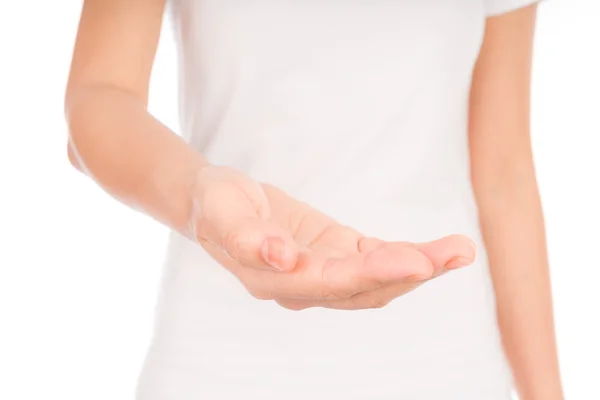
x=499, y=112
x=115, y=46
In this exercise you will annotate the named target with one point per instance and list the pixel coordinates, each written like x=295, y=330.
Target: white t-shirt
x=350, y=105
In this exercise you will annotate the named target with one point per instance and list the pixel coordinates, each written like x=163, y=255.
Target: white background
x=79, y=272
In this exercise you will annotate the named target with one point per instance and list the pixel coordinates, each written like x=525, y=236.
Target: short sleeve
x=497, y=7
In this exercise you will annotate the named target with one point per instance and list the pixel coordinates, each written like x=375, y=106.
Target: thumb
x=238, y=221
x=259, y=244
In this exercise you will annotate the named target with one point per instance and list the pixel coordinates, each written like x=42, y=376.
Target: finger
x=449, y=253
x=326, y=278
x=369, y=244
x=446, y=254
x=331, y=235
x=441, y=253
x=231, y=221
x=259, y=244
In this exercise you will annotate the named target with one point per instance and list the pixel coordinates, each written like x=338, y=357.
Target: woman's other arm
x=510, y=210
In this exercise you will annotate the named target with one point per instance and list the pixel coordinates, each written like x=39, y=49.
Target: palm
x=326, y=245
x=311, y=229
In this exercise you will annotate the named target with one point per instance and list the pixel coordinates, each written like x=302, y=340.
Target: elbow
x=499, y=194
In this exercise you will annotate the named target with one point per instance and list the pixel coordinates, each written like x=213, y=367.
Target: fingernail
x=457, y=262
x=273, y=251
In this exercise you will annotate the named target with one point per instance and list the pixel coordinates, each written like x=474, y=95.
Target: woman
x=337, y=155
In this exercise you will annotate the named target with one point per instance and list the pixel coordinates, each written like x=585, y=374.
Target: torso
x=358, y=107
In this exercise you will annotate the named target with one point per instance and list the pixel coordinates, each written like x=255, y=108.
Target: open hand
x=284, y=250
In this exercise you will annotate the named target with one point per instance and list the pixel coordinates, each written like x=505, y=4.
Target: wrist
x=195, y=190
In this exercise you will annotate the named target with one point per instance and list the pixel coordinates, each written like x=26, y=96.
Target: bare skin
x=282, y=249
x=512, y=222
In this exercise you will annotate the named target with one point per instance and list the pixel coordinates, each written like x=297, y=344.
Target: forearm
x=513, y=228
x=131, y=155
